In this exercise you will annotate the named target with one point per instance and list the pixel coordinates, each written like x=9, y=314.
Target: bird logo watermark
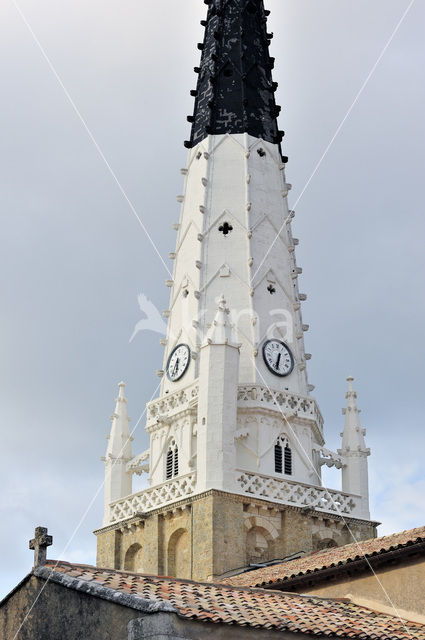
x=153, y=320
x=280, y=325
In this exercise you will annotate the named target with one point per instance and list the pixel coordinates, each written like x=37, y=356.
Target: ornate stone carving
x=297, y=494
x=153, y=498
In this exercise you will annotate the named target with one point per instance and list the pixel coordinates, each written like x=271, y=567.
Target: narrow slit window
x=278, y=458
x=176, y=461
x=288, y=460
x=169, y=470
x=172, y=461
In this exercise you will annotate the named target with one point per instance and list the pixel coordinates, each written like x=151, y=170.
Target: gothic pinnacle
x=119, y=443
x=221, y=331
x=355, y=453
x=353, y=434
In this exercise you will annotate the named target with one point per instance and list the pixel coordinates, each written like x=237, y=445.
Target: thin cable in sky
x=89, y=133
x=340, y=514
x=340, y=126
x=83, y=517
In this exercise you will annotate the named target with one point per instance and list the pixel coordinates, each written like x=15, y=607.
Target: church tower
x=236, y=439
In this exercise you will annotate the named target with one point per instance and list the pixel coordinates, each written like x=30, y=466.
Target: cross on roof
x=39, y=545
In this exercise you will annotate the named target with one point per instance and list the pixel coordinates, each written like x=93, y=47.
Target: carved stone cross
x=39, y=545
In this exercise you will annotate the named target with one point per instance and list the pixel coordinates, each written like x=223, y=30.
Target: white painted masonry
x=235, y=285
x=227, y=180
x=218, y=405
x=355, y=453
x=118, y=480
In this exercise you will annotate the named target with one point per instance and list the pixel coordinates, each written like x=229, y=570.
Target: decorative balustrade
x=171, y=404
x=149, y=499
x=252, y=395
x=249, y=395
x=297, y=494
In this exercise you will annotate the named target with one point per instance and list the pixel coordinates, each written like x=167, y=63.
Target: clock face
x=178, y=362
x=278, y=358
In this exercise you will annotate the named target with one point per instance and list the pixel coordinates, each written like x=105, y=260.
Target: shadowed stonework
x=210, y=535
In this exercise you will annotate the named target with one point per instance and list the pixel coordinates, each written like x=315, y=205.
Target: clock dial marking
x=178, y=362
x=278, y=358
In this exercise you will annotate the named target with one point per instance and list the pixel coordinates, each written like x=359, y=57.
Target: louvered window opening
x=169, y=464
x=283, y=459
x=176, y=462
x=172, y=464
x=278, y=467
x=288, y=461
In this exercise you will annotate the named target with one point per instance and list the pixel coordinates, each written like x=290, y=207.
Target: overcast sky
x=74, y=258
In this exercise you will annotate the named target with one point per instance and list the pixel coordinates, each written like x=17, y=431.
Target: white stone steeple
x=235, y=242
x=118, y=481
x=354, y=452
x=234, y=413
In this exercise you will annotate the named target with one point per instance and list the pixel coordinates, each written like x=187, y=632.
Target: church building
x=236, y=438
x=235, y=538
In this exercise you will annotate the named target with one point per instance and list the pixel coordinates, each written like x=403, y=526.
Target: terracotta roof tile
x=255, y=608
x=337, y=556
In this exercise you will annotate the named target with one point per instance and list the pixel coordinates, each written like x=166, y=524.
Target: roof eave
x=347, y=568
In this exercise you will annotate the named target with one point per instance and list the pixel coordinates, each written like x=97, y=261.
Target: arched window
x=172, y=461
x=283, y=456
x=179, y=557
x=133, y=558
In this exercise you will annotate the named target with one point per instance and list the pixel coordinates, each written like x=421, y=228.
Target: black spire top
x=235, y=92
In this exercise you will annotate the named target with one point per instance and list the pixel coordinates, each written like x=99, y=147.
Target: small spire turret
x=118, y=480
x=119, y=441
x=353, y=434
x=354, y=452
x=221, y=331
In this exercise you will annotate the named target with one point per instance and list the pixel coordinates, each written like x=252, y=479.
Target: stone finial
x=118, y=479
x=119, y=444
x=221, y=329
x=39, y=545
x=354, y=453
x=353, y=434
x=121, y=393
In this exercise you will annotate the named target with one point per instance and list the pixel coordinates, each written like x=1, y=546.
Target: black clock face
x=278, y=358
x=178, y=362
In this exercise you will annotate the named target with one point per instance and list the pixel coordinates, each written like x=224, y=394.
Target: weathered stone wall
x=176, y=543
x=202, y=538
x=228, y=533
x=205, y=536
x=109, y=549
x=167, y=626
x=61, y=613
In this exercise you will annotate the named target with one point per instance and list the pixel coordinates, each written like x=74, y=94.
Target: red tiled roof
x=335, y=557
x=255, y=608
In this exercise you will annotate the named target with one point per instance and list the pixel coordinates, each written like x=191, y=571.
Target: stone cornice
x=235, y=497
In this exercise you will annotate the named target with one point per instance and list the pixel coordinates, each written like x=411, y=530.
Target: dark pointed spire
x=235, y=91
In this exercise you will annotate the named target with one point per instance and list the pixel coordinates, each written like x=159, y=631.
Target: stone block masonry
x=207, y=536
